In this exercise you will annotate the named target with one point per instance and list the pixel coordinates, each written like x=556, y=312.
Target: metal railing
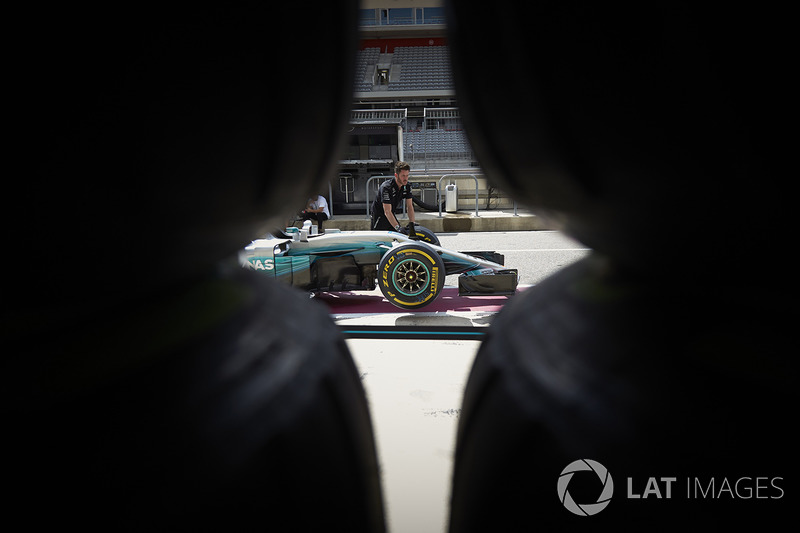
x=456, y=177
x=452, y=177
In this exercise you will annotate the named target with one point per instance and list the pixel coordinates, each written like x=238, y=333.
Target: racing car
x=409, y=268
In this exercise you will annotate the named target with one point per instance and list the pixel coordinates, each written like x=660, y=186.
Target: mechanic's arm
x=387, y=211
x=410, y=210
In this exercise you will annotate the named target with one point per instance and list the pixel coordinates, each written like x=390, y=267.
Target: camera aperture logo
x=660, y=488
x=585, y=509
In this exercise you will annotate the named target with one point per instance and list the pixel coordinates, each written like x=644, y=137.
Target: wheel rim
x=411, y=277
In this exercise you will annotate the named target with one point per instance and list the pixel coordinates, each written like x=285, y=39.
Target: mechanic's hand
x=404, y=230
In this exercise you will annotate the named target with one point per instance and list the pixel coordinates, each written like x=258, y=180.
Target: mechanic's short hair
x=401, y=165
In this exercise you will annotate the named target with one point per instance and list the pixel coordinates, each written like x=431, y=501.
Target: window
x=367, y=17
x=434, y=15
x=400, y=16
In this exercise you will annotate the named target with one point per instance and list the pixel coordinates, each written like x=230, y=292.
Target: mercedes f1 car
x=409, y=269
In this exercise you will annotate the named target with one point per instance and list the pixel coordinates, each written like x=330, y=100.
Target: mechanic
x=316, y=209
x=388, y=197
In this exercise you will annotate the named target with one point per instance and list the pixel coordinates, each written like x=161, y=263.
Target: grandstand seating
x=422, y=68
x=365, y=60
x=437, y=143
x=419, y=68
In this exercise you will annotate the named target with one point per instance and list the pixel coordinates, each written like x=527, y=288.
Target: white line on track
x=545, y=250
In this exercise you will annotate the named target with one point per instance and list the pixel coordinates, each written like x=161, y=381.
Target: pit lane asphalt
x=415, y=383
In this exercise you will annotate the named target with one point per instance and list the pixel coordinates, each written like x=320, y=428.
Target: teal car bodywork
x=362, y=260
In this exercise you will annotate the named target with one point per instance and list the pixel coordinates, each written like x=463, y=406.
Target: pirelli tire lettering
x=411, y=275
x=423, y=234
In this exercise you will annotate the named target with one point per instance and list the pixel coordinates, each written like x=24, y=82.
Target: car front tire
x=411, y=275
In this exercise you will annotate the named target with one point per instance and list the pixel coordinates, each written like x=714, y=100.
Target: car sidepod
x=268, y=256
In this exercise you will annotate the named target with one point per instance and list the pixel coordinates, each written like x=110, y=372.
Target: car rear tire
x=411, y=275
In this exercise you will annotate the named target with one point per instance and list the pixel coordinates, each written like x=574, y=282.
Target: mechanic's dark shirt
x=389, y=193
